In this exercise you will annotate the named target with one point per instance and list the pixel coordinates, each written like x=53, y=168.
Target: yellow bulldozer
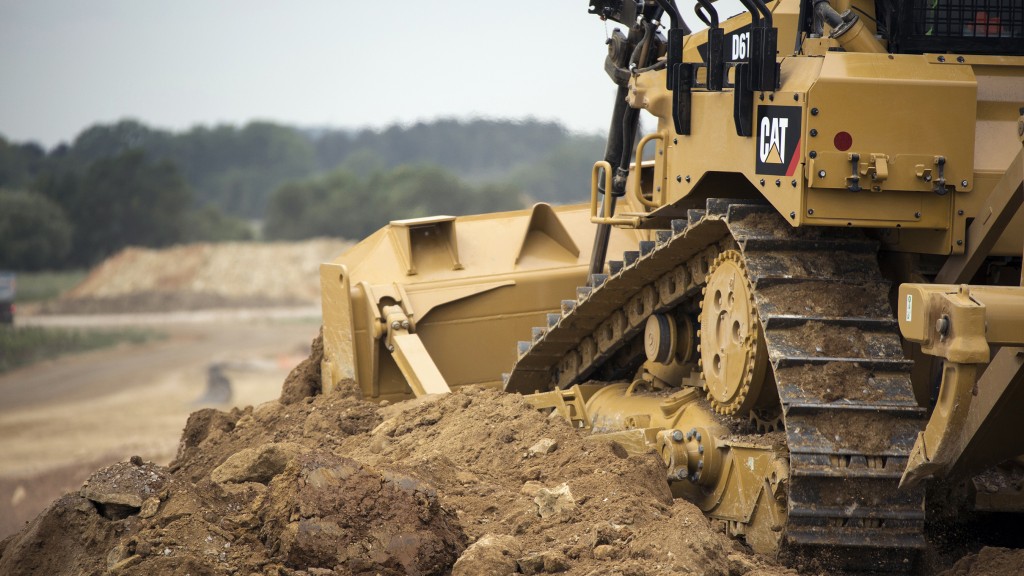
x=814, y=307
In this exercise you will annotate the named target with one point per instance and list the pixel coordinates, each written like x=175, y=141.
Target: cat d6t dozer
x=818, y=307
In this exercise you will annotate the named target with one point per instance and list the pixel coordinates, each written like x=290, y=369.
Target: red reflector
x=843, y=141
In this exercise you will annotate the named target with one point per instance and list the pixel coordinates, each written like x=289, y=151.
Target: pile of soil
x=476, y=482
x=472, y=483
x=198, y=276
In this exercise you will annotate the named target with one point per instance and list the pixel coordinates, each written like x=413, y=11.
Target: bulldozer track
x=834, y=347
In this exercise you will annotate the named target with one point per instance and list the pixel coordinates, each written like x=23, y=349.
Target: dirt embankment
x=472, y=483
x=476, y=482
x=197, y=276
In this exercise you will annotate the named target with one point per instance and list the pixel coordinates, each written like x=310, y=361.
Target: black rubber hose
x=699, y=11
x=710, y=9
x=763, y=8
x=674, y=16
x=824, y=12
x=619, y=146
x=755, y=13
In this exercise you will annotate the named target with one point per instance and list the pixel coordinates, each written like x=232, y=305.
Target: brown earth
x=198, y=276
x=336, y=485
x=476, y=482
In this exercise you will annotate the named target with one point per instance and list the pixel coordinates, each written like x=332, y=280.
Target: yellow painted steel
x=469, y=287
x=924, y=150
x=959, y=324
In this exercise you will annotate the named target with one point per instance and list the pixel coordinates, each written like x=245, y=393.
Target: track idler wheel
x=734, y=359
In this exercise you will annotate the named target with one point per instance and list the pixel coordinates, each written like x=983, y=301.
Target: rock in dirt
x=545, y=446
x=259, y=464
x=491, y=554
x=328, y=511
x=120, y=490
x=549, y=562
x=554, y=501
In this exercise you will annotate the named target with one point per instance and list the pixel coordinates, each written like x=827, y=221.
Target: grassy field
x=24, y=345
x=41, y=286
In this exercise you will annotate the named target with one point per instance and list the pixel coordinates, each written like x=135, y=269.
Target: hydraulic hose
x=622, y=136
x=675, y=18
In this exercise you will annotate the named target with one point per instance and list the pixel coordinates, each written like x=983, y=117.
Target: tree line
x=126, y=183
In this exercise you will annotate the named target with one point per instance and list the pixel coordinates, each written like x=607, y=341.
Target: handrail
x=637, y=185
x=607, y=217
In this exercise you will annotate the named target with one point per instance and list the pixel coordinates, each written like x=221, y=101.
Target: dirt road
x=61, y=419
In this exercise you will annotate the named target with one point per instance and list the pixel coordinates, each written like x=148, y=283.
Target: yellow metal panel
x=339, y=361
x=897, y=105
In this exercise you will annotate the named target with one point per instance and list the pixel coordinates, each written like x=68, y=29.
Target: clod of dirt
x=258, y=464
x=304, y=379
x=990, y=561
x=68, y=537
x=119, y=491
x=550, y=562
x=491, y=554
x=555, y=501
x=329, y=511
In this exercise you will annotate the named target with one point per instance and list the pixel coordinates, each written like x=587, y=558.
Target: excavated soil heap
x=473, y=483
x=196, y=276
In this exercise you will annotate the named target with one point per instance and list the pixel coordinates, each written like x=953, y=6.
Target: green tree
x=126, y=200
x=331, y=205
x=35, y=234
x=20, y=164
x=563, y=177
x=209, y=224
x=344, y=204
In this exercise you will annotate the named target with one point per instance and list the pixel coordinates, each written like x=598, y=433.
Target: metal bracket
x=939, y=186
x=411, y=356
x=854, y=178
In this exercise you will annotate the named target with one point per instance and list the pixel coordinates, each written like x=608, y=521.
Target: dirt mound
x=196, y=276
x=477, y=482
x=990, y=561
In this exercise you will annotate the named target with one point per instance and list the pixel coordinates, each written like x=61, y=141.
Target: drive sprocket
x=734, y=358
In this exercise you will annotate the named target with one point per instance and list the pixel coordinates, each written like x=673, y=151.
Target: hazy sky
x=65, y=65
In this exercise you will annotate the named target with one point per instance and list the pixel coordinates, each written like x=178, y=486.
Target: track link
x=844, y=385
